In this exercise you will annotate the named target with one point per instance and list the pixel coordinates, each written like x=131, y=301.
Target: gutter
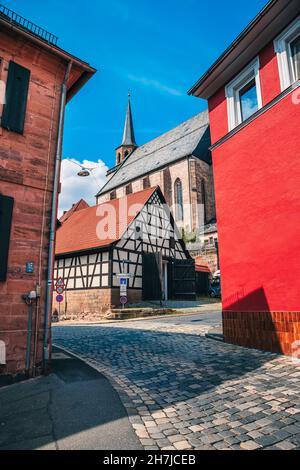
x=51, y=254
x=88, y=71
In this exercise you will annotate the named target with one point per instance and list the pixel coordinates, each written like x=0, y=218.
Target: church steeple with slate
x=128, y=143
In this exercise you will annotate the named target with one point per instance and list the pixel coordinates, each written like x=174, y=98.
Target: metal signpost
x=60, y=289
x=124, y=278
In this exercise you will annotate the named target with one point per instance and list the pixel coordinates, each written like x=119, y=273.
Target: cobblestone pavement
x=184, y=391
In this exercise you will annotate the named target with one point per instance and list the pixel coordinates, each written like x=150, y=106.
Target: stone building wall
x=24, y=162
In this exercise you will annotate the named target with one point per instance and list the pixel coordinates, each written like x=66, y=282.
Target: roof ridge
x=154, y=188
x=166, y=145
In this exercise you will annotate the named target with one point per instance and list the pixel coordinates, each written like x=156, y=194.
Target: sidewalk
x=73, y=408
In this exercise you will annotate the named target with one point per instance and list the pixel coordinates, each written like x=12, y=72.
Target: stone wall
x=92, y=304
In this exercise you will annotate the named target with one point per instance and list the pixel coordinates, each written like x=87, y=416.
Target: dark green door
x=152, y=288
x=184, y=279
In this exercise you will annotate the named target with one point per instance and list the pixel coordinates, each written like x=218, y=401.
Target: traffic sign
x=123, y=300
x=60, y=282
x=59, y=290
x=59, y=298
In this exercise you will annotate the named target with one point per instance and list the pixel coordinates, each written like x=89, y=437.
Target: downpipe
x=51, y=253
x=30, y=299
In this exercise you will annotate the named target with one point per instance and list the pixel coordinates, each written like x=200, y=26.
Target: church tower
x=128, y=143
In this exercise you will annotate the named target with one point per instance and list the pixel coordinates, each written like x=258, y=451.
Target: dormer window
x=244, y=95
x=287, y=48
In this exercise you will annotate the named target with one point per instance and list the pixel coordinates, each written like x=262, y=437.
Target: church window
x=119, y=158
x=203, y=192
x=126, y=153
x=129, y=189
x=146, y=182
x=178, y=200
x=113, y=195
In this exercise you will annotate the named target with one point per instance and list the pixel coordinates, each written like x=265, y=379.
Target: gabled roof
x=128, y=135
x=79, y=231
x=82, y=204
x=192, y=137
x=269, y=22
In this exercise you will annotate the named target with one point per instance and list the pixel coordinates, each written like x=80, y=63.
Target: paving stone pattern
x=183, y=391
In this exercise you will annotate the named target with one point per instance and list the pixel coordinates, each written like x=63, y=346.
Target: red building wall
x=26, y=174
x=257, y=175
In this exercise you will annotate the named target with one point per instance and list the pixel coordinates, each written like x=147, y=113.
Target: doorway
x=165, y=280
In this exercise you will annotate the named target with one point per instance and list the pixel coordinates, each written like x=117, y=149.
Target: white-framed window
x=287, y=48
x=244, y=95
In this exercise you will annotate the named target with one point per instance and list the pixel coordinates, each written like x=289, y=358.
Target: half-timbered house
x=134, y=237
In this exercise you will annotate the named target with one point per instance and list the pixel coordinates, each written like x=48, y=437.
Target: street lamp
x=84, y=172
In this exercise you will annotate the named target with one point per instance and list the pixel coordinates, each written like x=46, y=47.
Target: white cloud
x=74, y=187
x=155, y=84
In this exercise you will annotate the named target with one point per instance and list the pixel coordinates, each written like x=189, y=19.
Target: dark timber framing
x=152, y=231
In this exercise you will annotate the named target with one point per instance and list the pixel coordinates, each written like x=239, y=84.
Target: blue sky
x=157, y=49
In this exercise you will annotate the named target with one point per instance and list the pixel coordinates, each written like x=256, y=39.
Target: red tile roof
x=82, y=204
x=79, y=231
x=201, y=266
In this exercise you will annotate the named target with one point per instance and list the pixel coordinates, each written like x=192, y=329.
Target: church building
x=179, y=162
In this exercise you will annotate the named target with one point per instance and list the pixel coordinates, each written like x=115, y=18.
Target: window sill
x=261, y=111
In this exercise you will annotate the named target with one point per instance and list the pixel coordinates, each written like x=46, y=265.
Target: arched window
x=178, y=200
x=126, y=153
x=119, y=158
x=203, y=193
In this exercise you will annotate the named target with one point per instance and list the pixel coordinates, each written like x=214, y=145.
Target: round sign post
x=59, y=299
x=123, y=300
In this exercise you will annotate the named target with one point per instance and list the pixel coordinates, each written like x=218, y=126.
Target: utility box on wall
x=2, y=353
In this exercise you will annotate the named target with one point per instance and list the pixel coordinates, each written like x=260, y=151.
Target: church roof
x=192, y=137
x=128, y=135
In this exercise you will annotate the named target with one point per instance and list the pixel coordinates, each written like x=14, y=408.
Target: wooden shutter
x=184, y=279
x=14, y=110
x=6, y=210
x=152, y=289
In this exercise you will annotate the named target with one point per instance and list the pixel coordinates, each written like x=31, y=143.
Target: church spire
x=128, y=143
x=128, y=135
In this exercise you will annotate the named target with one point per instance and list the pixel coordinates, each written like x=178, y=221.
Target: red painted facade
x=257, y=175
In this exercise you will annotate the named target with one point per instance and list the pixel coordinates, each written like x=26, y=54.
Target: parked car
x=214, y=290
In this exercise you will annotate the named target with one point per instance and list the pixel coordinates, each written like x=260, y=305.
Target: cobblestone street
x=184, y=391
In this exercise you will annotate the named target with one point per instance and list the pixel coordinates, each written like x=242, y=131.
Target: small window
x=244, y=95
x=146, y=182
x=113, y=195
x=287, y=48
x=128, y=189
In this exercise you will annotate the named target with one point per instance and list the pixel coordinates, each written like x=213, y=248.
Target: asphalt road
x=74, y=408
